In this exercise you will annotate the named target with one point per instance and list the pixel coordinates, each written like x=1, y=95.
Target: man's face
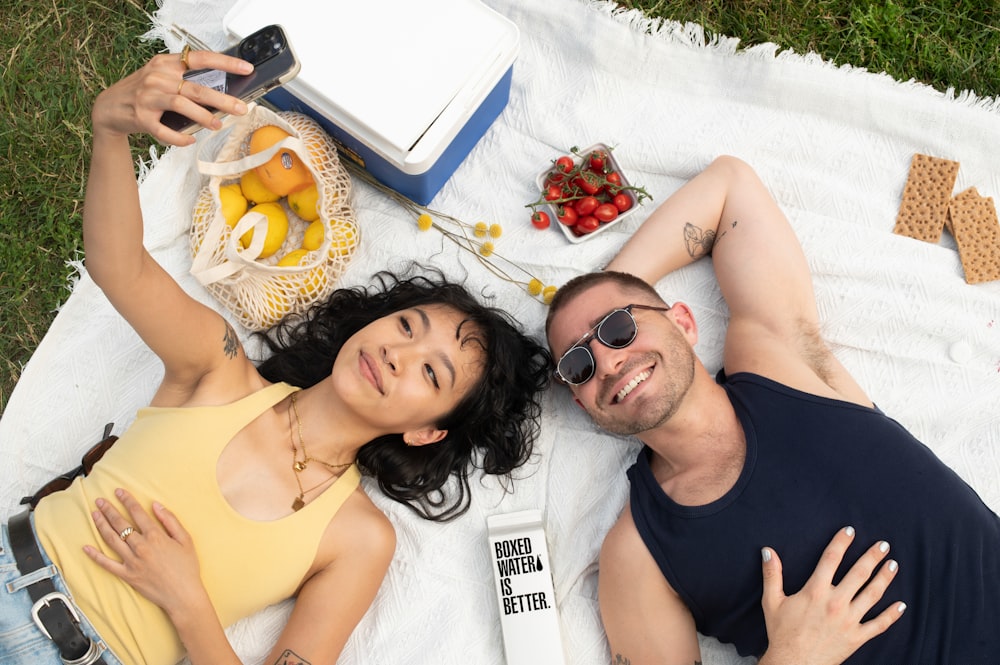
x=636, y=388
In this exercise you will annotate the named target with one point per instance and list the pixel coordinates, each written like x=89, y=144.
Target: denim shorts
x=21, y=641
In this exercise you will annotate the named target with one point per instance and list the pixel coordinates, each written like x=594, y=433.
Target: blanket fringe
x=693, y=35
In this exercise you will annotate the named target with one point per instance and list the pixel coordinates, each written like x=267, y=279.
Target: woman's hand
x=136, y=103
x=157, y=556
x=821, y=623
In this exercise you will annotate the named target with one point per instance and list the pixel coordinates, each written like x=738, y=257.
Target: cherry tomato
x=553, y=192
x=598, y=159
x=614, y=180
x=587, y=224
x=540, y=219
x=586, y=205
x=589, y=182
x=606, y=212
x=564, y=164
x=567, y=215
x=555, y=178
x=622, y=201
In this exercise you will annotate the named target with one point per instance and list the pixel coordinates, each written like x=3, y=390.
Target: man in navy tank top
x=778, y=453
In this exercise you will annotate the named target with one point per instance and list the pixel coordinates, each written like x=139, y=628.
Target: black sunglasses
x=616, y=331
x=87, y=463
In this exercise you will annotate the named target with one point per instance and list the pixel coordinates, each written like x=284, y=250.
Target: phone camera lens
x=262, y=47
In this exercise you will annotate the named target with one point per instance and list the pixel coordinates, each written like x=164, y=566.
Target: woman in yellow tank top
x=238, y=486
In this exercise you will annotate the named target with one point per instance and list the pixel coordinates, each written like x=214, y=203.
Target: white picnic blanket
x=834, y=147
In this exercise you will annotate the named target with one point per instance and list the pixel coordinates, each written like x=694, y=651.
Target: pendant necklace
x=300, y=465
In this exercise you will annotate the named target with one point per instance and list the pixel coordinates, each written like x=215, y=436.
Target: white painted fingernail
x=893, y=566
x=765, y=554
x=883, y=547
x=849, y=530
x=901, y=607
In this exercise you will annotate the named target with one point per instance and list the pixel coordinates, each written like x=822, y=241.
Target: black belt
x=52, y=611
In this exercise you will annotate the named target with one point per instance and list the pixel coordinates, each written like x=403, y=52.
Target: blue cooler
x=406, y=88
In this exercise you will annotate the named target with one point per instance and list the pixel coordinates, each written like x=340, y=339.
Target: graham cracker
x=973, y=222
x=926, y=196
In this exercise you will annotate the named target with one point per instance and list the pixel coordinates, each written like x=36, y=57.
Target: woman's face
x=404, y=372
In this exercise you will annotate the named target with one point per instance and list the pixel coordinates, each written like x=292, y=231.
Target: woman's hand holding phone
x=137, y=103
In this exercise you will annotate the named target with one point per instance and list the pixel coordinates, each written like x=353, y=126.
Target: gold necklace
x=298, y=466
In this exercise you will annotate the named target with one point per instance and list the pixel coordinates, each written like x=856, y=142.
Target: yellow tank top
x=170, y=455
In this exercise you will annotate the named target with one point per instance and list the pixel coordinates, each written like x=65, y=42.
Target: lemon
x=276, y=306
x=343, y=241
x=312, y=282
x=293, y=257
x=304, y=203
x=255, y=190
x=313, y=236
x=233, y=203
x=277, y=228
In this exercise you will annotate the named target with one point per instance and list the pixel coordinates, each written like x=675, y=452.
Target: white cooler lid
x=383, y=69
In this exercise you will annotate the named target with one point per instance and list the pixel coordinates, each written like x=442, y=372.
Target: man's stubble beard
x=649, y=411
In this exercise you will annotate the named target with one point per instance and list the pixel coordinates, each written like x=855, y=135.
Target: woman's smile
x=370, y=370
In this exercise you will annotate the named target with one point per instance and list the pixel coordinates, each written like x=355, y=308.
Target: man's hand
x=821, y=623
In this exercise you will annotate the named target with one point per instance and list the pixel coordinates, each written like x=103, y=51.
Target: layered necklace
x=300, y=465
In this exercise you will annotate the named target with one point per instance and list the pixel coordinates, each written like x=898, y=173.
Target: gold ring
x=180, y=85
x=126, y=532
x=184, y=56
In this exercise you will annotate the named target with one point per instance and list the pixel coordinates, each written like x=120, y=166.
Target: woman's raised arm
x=190, y=338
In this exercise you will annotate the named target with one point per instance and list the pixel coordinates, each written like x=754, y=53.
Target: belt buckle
x=93, y=651
x=45, y=601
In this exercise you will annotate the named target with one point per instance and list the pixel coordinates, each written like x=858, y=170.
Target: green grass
x=944, y=43
x=62, y=52
x=56, y=59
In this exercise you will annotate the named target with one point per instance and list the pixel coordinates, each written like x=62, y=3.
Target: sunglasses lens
x=618, y=330
x=577, y=366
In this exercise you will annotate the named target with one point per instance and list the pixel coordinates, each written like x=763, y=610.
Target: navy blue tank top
x=814, y=465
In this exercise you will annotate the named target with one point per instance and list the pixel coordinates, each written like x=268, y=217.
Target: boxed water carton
x=405, y=88
x=525, y=597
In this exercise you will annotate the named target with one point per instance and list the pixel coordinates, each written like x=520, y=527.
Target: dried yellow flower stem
x=484, y=251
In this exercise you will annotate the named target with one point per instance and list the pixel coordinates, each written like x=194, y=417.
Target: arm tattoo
x=289, y=657
x=230, y=343
x=699, y=243
x=622, y=660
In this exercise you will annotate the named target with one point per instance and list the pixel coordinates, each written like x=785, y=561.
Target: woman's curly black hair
x=498, y=417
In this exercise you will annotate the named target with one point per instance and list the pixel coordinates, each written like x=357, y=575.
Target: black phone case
x=274, y=64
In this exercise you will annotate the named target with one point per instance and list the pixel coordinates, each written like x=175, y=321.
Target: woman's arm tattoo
x=230, y=342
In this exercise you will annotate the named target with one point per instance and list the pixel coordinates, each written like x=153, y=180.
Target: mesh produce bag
x=255, y=288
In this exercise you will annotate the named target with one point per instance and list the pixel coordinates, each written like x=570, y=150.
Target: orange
x=285, y=172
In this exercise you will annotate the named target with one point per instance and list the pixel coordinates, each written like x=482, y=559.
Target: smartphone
x=274, y=64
